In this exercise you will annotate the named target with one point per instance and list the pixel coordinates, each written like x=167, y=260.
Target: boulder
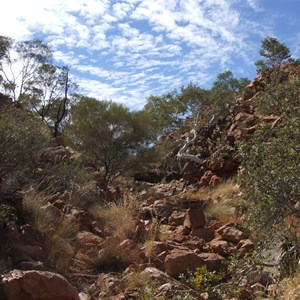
x=212, y=261
x=230, y=233
x=214, y=180
x=37, y=285
x=244, y=247
x=220, y=247
x=194, y=218
x=206, y=234
x=205, y=179
x=176, y=218
x=180, y=261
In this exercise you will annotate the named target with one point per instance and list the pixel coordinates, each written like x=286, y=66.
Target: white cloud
x=129, y=49
x=254, y=5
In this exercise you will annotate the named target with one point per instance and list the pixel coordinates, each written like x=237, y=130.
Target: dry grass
x=42, y=220
x=59, y=232
x=118, y=218
x=137, y=280
x=222, y=211
x=227, y=204
x=290, y=288
x=149, y=248
x=115, y=256
x=225, y=191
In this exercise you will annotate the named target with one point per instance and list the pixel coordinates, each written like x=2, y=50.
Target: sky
x=128, y=50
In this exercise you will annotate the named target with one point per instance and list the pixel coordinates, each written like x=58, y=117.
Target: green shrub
x=21, y=138
x=271, y=178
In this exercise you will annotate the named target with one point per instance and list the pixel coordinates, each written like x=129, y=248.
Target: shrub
x=271, y=178
x=60, y=177
x=21, y=138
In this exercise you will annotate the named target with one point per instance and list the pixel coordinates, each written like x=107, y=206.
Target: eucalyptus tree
x=108, y=134
x=31, y=79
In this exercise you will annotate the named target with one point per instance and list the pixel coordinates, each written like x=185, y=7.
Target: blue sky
x=127, y=50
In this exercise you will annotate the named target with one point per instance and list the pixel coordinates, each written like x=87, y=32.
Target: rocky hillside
x=179, y=240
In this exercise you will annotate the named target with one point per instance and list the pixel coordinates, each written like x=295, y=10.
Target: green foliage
x=271, y=161
x=61, y=177
x=224, y=92
x=202, y=279
x=37, y=83
x=21, y=138
x=108, y=134
x=168, y=112
x=5, y=45
x=274, y=54
x=184, y=296
x=30, y=55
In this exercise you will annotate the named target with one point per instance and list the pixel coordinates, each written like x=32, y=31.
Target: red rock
x=180, y=261
x=194, y=218
x=231, y=234
x=37, y=285
x=244, y=246
x=176, y=218
x=215, y=180
x=220, y=247
x=205, y=179
x=203, y=233
x=213, y=261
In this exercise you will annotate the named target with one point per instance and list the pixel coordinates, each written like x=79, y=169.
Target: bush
x=60, y=177
x=271, y=177
x=21, y=138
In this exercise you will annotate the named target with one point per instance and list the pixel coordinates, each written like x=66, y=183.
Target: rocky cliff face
x=217, y=143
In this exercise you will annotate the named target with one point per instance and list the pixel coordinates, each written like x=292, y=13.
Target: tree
x=21, y=63
x=49, y=96
x=169, y=111
x=224, y=92
x=274, y=54
x=108, y=134
x=5, y=45
x=30, y=78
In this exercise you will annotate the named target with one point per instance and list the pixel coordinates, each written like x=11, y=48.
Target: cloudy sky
x=129, y=49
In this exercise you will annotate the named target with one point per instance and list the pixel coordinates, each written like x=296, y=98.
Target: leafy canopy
x=108, y=133
x=273, y=53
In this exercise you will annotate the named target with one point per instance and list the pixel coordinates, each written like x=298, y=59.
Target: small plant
x=202, y=279
x=148, y=290
x=289, y=288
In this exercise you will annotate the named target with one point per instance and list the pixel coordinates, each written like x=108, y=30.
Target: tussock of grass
x=290, y=288
x=118, y=219
x=226, y=204
x=43, y=220
x=222, y=211
x=226, y=191
x=59, y=232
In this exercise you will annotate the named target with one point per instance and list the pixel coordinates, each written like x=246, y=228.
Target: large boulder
x=181, y=261
x=36, y=285
x=194, y=218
